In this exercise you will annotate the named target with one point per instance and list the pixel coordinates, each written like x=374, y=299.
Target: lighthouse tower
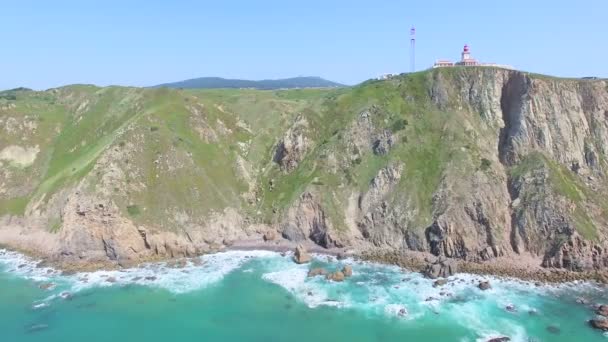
x=465, y=53
x=466, y=58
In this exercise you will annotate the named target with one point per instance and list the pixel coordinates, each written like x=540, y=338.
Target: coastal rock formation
x=599, y=323
x=337, y=276
x=307, y=220
x=293, y=146
x=347, y=271
x=441, y=268
x=301, y=256
x=317, y=272
x=468, y=164
x=602, y=310
x=484, y=285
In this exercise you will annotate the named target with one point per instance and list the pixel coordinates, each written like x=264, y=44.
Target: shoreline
x=411, y=260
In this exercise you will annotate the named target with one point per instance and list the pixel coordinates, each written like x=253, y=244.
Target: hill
x=217, y=83
x=470, y=163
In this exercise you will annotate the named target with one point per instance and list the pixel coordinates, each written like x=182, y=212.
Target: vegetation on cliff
x=473, y=163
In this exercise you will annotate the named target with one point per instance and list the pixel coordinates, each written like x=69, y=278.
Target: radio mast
x=412, y=49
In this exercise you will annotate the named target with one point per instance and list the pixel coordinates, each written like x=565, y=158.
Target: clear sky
x=52, y=43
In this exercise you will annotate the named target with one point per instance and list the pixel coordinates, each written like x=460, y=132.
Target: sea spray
x=404, y=300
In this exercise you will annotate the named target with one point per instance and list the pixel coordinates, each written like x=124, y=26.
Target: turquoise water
x=262, y=296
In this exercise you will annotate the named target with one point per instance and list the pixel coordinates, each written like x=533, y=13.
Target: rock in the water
x=336, y=276
x=270, y=235
x=553, y=329
x=111, y=280
x=347, y=270
x=340, y=256
x=599, y=323
x=510, y=308
x=317, y=272
x=65, y=295
x=500, y=339
x=46, y=286
x=441, y=268
x=301, y=256
x=36, y=327
x=602, y=310
x=440, y=282
x=484, y=285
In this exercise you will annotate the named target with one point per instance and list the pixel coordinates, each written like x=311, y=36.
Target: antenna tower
x=412, y=49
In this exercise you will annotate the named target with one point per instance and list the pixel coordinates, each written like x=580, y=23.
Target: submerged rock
x=46, y=286
x=317, y=272
x=36, y=327
x=553, y=329
x=347, y=270
x=500, y=339
x=336, y=276
x=301, y=256
x=440, y=282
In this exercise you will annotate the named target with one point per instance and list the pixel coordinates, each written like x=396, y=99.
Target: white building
x=467, y=60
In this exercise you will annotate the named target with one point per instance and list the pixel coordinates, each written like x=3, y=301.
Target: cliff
x=468, y=163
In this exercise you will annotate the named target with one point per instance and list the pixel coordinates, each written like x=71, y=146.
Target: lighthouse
x=466, y=59
x=465, y=53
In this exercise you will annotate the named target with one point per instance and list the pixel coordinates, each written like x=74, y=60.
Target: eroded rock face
x=383, y=143
x=379, y=222
x=487, y=200
x=293, y=146
x=307, y=220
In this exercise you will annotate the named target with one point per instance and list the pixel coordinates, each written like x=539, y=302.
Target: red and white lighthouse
x=465, y=53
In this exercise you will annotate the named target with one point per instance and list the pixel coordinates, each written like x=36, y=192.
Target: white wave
x=192, y=277
x=24, y=266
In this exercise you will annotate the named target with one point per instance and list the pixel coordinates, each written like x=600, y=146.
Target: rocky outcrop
x=293, y=146
x=301, y=256
x=599, y=323
x=379, y=222
x=307, y=220
x=484, y=285
x=602, y=310
x=440, y=268
x=383, y=143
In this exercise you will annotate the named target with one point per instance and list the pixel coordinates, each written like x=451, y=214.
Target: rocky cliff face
x=467, y=163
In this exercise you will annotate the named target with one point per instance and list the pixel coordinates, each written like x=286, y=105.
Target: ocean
x=263, y=296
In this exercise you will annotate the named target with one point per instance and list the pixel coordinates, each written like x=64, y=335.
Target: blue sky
x=52, y=43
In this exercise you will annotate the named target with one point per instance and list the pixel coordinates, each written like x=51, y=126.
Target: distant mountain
x=218, y=82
